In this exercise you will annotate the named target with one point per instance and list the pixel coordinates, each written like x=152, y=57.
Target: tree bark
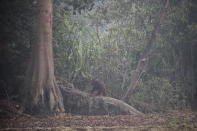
x=41, y=95
x=140, y=66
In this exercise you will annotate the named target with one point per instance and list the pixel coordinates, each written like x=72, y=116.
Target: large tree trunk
x=41, y=95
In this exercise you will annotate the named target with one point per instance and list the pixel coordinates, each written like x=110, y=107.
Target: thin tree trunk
x=41, y=95
x=140, y=66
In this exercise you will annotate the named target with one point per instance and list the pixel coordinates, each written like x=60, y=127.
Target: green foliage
x=106, y=42
x=65, y=42
x=73, y=49
x=123, y=30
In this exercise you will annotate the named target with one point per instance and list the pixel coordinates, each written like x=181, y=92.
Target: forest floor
x=11, y=120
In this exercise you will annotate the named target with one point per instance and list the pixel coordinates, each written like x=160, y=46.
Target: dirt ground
x=11, y=119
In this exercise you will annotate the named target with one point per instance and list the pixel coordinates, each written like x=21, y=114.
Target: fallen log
x=82, y=103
